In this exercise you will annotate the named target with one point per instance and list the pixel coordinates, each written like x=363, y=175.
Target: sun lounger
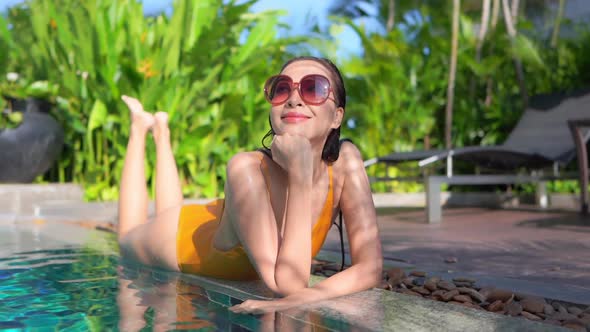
x=540, y=140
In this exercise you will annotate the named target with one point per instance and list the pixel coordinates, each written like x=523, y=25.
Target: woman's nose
x=294, y=99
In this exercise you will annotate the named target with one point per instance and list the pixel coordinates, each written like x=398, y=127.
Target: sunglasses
x=314, y=89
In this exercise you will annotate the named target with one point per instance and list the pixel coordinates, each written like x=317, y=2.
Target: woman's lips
x=294, y=117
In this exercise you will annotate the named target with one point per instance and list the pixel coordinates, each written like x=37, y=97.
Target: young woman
x=278, y=205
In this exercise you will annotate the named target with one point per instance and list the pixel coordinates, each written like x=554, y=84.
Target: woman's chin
x=293, y=129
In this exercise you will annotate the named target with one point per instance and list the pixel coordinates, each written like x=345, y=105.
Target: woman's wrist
x=300, y=179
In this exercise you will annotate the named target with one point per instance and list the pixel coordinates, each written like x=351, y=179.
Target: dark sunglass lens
x=315, y=89
x=280, y=90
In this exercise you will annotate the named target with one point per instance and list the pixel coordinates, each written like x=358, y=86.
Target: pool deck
x=528, y=251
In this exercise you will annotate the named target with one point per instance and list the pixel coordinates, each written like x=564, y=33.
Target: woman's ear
x=338, y=116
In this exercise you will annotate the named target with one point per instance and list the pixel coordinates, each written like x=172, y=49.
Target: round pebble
x=419, y=281
x=533, y=304
x=421, y=290
x=574, y=310
x=462, y=298
x=513, y=308
x=462, y=291
x=446, y=285
x=395, y=275
x=430, y=285
x=530, y=316
x=496, y=306
x=418, y=273
x=473, y=293
x=449, y=295
x=499, y=294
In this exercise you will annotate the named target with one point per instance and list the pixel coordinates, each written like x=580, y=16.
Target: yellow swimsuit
x=198, y=223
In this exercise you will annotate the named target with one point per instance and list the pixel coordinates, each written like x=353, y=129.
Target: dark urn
x=31, y=148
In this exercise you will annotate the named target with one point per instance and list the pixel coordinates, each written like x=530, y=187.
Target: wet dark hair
x=331, y=149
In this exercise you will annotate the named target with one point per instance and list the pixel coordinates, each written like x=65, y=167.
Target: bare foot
x=140, y=119
x=161, y=125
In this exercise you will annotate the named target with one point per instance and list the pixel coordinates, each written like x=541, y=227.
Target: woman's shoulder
x=349, y=152
x=349, y=158
x=245, y=160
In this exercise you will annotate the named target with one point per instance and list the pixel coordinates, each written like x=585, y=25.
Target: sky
x=299, y=13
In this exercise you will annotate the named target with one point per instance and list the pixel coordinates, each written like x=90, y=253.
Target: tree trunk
x=555, y=35
x=452, y=72
x=485, y=17
x=390, y=16
x=493, y=24
x=514, y=11
x=495, y=14
x=517, y=64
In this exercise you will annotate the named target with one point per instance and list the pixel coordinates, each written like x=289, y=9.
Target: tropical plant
x=16, y=87
x=201, y=64
x=397, y=87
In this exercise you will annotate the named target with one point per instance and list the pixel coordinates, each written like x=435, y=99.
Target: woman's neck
x=319, y=166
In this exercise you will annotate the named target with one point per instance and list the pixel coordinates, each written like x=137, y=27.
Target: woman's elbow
x=285, y=287
x=291, y=281
x=377, y=275
x=291, y=287
x=374, y=273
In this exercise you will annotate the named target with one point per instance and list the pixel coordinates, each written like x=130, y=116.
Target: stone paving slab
x=21, y=198
x=539, y=253
x=379, y=310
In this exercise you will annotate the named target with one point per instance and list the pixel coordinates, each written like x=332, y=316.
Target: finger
x=258, y=311
x=236, y=309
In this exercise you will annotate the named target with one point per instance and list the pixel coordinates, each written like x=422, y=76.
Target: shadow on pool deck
x=531, y=251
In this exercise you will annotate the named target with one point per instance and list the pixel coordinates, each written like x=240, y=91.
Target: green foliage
x=397, y=88
x=191, y=64
x=21, y=89
x=10, y=119
x=206, y=62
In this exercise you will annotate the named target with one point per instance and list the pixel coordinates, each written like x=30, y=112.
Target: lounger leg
x=541, y=195
x=582, y=154
x=433, y=208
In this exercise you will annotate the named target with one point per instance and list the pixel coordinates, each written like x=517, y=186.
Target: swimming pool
x=63, y=277
x=57, y=276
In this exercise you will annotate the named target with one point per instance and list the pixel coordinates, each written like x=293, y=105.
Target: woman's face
x=295, y=116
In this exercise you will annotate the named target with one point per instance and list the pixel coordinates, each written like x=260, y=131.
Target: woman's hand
x=261, y=307
x=293, y=154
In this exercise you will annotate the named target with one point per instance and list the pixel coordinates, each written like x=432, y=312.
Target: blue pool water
x=69, y=287
x=79, y=290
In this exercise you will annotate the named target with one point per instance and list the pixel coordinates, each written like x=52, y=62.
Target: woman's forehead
x=298, y=69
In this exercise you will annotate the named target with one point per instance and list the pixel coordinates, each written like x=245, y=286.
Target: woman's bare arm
x=360, y=219
x=284, y=266
x=365, y=247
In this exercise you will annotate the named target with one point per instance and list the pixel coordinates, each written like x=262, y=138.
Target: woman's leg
x=168, y=189
x=133, y=195
x=152, y=243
